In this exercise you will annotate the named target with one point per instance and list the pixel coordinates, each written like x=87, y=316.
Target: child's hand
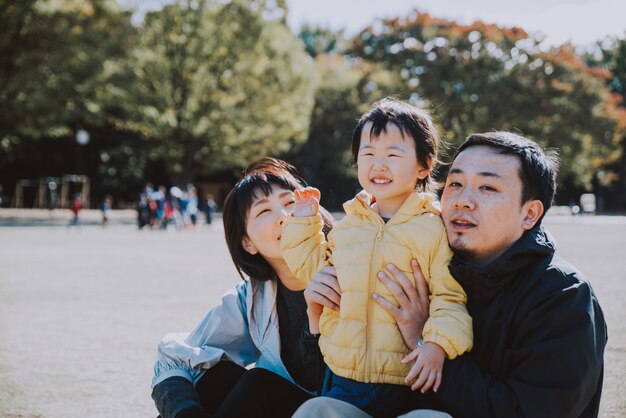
x=427, y=369
x=307, y=202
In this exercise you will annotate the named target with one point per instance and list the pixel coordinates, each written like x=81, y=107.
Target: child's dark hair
x=257, y=181
x=412, y=121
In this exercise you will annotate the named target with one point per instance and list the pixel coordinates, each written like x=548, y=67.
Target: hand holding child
x=307, y=202
x=427, y=368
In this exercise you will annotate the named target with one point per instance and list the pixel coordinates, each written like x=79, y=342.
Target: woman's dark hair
x=257, y=181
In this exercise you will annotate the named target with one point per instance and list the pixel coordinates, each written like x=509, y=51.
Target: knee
x=328, y=408
x=425, y=413
x=310, y=408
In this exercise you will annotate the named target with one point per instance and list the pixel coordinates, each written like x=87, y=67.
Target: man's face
x=481, y=204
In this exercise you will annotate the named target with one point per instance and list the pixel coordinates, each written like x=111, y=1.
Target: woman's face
x=264, y=224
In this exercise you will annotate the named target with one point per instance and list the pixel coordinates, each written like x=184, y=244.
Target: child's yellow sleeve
x=304, y=246
x=449, y=324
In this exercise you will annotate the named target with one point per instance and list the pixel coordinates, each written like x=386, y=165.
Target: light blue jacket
x=243, y=328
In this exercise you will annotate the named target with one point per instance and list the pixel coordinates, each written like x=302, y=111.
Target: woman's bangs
x=257, y=185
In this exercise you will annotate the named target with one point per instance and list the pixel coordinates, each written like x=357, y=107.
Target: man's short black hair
x=538, y=169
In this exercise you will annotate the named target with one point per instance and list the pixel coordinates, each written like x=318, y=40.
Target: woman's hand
x=412, y=313
x=322, y=290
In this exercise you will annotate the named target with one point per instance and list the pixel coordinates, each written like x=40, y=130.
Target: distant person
x=143, y=211
x=539, y=331
x=177, y=200
x=76, y=206
x=1, y=201
x=191, y=209
x=160, y=197
x=107, y=206
x=393, y=220
x=210, y=207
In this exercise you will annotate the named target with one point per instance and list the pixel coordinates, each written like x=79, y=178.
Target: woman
x=263, y=320
x=244, y=327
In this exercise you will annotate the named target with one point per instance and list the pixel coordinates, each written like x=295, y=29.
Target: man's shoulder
x=557, y=280
x=563, y=275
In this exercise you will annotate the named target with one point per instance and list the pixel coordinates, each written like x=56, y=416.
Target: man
x=539, y=332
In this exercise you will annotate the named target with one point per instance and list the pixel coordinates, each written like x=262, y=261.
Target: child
x=393, y=220
x=76, y=207
x=210, y=208
x=107, y=205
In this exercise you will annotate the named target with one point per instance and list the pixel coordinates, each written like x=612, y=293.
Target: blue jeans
x=377, y=399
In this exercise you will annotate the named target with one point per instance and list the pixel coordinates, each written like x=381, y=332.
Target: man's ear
x=249, y=246
x=533, y=209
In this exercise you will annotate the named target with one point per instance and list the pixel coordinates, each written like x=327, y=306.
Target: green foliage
x=59, y=61
x=206, y=86
x=219, y=84
x=610, y=55
x=482, y=78
x=319, y=40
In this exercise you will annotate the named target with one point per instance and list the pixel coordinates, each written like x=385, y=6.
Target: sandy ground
x=81, y=310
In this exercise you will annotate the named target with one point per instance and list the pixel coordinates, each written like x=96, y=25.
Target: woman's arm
x=223, y=334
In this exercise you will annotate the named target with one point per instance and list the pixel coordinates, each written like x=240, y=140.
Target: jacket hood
x=416, y=204
x=483, y=282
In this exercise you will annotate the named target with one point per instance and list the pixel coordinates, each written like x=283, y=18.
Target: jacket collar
x=262, y=299
x=416, y=204
x=482, y=283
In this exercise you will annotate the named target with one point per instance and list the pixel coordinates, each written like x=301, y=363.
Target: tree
x=220, y=83
x=318, y=40
x=610, y=55
x=61, y=68
x=59, y=59
x=481, y=77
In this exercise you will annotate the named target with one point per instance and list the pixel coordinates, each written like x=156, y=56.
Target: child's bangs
x=380, y=126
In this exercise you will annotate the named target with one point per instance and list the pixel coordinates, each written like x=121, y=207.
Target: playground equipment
x=65, y=188
x=18, y=196
x=52, y=192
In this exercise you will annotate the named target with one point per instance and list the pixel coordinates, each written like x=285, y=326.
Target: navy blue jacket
x=539, y=338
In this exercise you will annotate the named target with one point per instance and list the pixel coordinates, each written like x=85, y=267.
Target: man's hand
x=322, y=290
x=412, y=313
x=307, y=202
x=427, y=368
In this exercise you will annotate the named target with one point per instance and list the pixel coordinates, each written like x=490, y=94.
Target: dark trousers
x=229, y=390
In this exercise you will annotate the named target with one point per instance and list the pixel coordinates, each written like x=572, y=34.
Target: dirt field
x=81, y=310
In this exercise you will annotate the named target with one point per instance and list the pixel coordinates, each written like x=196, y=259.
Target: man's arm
x=558, y=364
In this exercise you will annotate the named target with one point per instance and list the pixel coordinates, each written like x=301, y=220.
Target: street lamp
x=82, y=137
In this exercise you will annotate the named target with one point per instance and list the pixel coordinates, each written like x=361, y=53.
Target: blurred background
x=118, y=114
x=102, y=97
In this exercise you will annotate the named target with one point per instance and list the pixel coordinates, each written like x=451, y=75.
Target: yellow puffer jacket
x=362, y=341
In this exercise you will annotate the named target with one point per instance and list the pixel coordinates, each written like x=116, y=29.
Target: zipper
x=371, y=286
